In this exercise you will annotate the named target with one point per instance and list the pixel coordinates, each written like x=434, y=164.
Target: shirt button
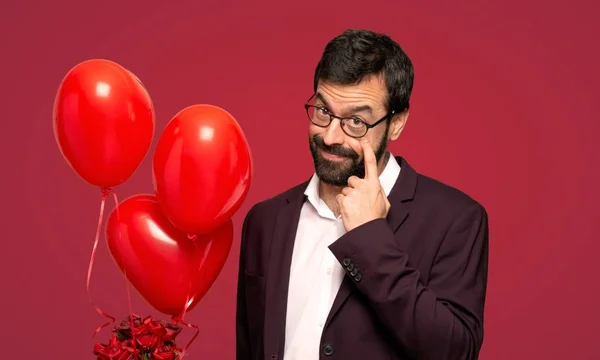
x=329, y=271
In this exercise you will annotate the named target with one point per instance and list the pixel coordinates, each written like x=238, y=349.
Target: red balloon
x=160, y=261
x=103, y=122
x=202, y=168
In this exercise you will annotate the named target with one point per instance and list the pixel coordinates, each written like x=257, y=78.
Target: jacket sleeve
x=443, y=320
x=243, y=351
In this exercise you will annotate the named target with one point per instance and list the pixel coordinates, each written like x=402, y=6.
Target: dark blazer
x=415, y=285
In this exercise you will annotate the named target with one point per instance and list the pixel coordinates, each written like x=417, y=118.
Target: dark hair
x=355, y=54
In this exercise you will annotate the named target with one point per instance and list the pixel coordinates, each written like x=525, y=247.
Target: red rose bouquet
x=148, y=339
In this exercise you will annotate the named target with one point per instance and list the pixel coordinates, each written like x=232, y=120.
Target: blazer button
x=328, y=349
x=350, y=267
x=358, y=277
x=347, y=262
x=354, y=272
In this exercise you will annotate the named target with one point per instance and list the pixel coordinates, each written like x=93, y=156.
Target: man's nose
x=334, y=135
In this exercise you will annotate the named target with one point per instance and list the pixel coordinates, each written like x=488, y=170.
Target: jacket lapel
x=402, y=192
x=280, y=259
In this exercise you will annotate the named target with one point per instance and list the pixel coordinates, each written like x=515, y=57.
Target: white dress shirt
x=316, y=275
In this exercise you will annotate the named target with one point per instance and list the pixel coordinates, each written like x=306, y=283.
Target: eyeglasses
x=352, y=126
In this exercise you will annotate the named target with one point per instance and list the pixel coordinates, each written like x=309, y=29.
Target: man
x=367, y=259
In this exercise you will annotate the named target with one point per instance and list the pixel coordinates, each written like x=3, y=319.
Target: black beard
x=337, y=173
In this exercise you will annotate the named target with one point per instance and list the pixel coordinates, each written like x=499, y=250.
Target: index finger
x=369, y=159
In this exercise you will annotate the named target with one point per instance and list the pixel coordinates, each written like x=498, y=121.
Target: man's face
x=336, y=155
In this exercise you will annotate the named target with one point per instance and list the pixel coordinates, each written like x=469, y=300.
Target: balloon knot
x=106, y=191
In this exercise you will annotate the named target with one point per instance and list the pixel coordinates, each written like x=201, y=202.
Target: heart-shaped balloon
x=165, y=266
x=103, y=122
x=202, y=168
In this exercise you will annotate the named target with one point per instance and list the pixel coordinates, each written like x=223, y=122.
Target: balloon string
x=127, y=284
x=180, y=320
x=105, y=193
x=190, y=300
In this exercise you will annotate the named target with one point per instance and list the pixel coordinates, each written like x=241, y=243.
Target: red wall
x=502, y=108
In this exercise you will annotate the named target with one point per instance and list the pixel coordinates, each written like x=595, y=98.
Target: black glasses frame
x=368, y=126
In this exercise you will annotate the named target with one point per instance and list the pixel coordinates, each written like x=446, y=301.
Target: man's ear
x=397, y=124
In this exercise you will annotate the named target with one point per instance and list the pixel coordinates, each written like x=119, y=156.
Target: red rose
x=150, y=326
x=114, y=350
x=164, y=353
x=148, y=341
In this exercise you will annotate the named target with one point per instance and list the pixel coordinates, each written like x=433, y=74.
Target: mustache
x=338, y=150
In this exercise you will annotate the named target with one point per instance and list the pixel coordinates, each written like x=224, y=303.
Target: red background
x=503, y=108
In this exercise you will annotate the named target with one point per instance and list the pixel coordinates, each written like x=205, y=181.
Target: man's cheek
x=357, y=148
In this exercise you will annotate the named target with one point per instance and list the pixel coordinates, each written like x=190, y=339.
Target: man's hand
x=363, y=200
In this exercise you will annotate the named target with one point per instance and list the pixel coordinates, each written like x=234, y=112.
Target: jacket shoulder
x=270, y=207
x=445, y=196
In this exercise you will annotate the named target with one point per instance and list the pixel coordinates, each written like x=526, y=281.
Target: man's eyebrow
x=353, y=110
x=320, y=97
